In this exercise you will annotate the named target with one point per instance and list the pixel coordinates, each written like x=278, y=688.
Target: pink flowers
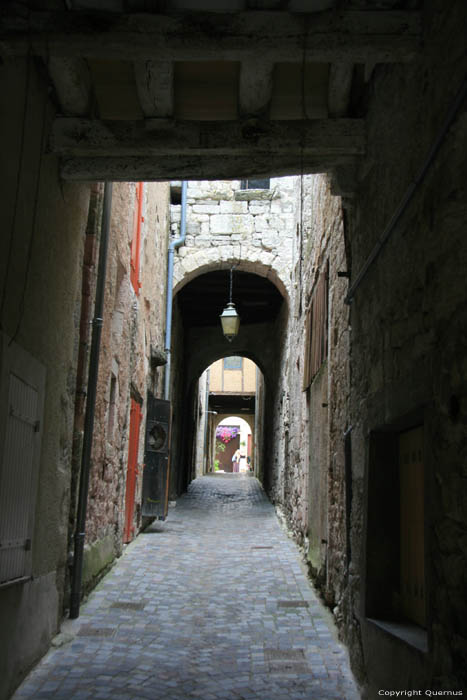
x=226, y=434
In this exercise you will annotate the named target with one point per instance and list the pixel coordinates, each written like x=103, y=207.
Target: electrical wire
x=18, y=183
x=34, y=218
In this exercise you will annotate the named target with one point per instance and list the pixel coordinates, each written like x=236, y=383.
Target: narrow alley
x=214, y=603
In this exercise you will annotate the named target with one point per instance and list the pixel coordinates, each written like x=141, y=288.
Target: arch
x=193, y=262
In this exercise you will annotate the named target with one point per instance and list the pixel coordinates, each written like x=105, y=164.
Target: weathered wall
x=225, y=223
x=133, y=329
x=43, y=222
x=409, y=321
x=233, y=380
x=308, y=482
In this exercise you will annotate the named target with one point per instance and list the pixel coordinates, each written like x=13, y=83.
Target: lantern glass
x=230, y=321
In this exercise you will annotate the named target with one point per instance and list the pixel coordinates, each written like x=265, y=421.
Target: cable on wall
x=18, y=181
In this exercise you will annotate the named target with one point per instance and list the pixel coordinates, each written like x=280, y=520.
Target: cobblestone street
x=212, y=604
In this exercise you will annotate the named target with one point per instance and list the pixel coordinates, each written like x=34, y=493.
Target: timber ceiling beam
x=154, y=82
x=330, y=36
x=72, y=82
x=160, y=168
x=152, y=137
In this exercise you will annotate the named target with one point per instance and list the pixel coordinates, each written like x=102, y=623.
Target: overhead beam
x=316, y=137
x=154, y=82
x=340, y=85
x=147, y=169
x=348, y=36
x=72, y=82
x=255, y=88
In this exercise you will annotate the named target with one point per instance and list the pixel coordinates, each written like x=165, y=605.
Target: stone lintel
x=355, y=36
x=317, y=137
x=162, y=168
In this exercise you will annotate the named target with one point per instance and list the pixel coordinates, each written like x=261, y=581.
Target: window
x=316, y=330
x=136, y=238
x=412, y=539
x=233, y=362
x=22, y=388
x=258, y=184
x=395, y=559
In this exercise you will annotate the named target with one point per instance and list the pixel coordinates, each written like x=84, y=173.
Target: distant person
x=236, y=461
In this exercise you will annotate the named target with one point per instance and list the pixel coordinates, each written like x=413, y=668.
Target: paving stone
x=213, y=604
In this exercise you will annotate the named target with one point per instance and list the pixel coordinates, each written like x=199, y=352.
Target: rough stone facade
x=408, y=342
x=132, y=334
x=226, y=224
x=308, y=479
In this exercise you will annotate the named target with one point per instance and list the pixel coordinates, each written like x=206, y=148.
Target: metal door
x=156, y=469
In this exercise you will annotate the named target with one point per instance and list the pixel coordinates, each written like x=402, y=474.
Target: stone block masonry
x=230, y=224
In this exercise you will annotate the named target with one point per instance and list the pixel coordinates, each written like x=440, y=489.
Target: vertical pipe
x=206, y=422
x=90, y=407
x=170, y=273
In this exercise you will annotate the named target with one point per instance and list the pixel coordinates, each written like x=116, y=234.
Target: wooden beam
x=352, y=36
x=255, y=89
x=161, y=168
x=340, y=84
x=317, y=137
x=154, y=82
x=72, y=82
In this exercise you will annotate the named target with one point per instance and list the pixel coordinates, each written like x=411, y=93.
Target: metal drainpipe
x=170, y=273
x=206, y=421
x=90, y=407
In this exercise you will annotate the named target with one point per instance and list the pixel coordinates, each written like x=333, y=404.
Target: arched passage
x=197, y=342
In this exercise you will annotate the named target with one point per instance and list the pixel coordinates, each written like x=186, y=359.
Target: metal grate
x=292, y=604
x=89, y=631
x=284, y=654
x=127, y=605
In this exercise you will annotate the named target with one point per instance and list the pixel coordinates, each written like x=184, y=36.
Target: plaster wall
x=43, y=222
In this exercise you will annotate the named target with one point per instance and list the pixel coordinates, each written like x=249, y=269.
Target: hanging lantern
x=230, y=320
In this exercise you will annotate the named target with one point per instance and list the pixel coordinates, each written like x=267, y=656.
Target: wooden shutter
x=412, y=526
x=21, y=408
x=316, y=332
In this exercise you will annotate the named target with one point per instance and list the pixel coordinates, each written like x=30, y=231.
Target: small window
x=395, y=534
x=233, y=362
x=257, y=184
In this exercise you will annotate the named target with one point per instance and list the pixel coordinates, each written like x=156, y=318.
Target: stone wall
x=309, y=479
x=409, y=324
x=225, y=224
x=132, y=333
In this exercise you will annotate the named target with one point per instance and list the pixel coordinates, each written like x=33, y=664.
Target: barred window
x=258, y=184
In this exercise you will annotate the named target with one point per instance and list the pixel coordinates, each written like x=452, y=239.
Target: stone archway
x=192, y=262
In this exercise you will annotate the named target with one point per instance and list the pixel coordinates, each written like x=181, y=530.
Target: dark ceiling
x=201, y=301
x=231, y=403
